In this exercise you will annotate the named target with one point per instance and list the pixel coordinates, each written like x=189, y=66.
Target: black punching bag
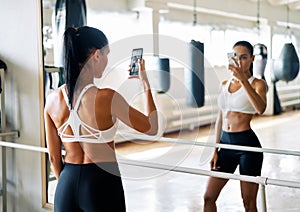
x=163, y=74
x=4, y=67
x=286, y=67
x=194, y=75
x=67, y=13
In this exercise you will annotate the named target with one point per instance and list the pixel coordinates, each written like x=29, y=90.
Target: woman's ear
x=97, y=54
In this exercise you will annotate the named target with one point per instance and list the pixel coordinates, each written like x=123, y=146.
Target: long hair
x=78, y=45
x=250, y=49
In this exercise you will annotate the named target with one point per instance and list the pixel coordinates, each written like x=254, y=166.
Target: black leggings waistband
x=243, y=138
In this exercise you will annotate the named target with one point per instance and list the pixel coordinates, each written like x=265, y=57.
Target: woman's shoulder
x=259, y=82
x=107, y=93
x=54, y=96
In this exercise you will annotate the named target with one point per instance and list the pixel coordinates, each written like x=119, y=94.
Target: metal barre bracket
x=10, y=133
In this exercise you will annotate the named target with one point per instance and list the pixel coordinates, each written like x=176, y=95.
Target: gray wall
x=20, y=49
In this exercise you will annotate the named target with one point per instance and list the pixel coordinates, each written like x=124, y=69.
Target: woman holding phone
x=240, y=98
x=83, y=119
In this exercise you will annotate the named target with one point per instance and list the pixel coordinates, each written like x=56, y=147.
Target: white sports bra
x=76, y=124
x=237, y=101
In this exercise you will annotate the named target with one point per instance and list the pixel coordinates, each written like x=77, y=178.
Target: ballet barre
x=262, y=181
x=207, y=144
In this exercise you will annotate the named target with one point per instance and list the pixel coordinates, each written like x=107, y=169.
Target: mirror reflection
x=112, y=18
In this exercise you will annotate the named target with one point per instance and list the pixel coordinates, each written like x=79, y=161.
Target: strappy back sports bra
x=236, y=101
x=77, y=125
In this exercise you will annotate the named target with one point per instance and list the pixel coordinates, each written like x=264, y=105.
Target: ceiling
x=292, y=4
x=270, y=11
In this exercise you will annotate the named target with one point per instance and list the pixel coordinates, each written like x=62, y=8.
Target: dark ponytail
x=250, y=49
x=71, y=67
x=78, y=45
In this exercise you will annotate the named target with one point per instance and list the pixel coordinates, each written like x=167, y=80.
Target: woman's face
x=244, y=57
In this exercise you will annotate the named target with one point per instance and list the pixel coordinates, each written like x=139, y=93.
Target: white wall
x=20, y=49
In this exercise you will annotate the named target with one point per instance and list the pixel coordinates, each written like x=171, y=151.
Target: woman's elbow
x=54, y=159
x=261, y=110
x=153, y=131
x=153, y=124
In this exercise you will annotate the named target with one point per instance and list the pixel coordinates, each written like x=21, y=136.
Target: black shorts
x=89, y=187
x=250, y=163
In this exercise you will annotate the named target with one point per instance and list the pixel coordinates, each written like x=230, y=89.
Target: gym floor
x=152, y=190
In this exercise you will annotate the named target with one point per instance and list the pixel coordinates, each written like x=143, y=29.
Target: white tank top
x=76, y=124
x=237, y=101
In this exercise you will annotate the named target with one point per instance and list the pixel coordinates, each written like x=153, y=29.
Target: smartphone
x=135, y=56
x=230, y=56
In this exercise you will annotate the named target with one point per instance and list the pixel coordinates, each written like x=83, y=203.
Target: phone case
x=229, y=56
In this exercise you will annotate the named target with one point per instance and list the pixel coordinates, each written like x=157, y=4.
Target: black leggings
x=250, y=163
x=90, y=188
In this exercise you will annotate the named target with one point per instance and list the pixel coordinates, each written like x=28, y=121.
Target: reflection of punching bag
x=163, y=75
x=277, y=106
x=67, y=13
x=260, y=61
x=286, y=67
x=194, y=76
x=2, y=66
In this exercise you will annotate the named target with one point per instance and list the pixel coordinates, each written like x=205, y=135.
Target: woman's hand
x=142, y=74
x=213, y=162
x=237, y=70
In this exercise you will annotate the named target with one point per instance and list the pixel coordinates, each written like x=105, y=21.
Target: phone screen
x=134, y=66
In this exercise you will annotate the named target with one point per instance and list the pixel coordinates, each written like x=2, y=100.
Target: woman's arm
x=54, y=144
x=218, y=130
x=145, y=123
x=257, y=94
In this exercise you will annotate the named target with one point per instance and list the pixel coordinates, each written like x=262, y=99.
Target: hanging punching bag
x=67, y=13
x=260, y=61
x=75, y=13
x=277, y=105
x=162, y=75
x=194, y=75
x=286, y=67
x=4, y=67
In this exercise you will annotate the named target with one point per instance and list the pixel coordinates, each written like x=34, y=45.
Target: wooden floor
x=150, y=190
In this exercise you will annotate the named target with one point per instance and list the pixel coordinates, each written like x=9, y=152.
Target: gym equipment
x=286, y=67
x=194, y=75
x=67, y=13
x=260, y=61
x=162, y=76
x=4, y=67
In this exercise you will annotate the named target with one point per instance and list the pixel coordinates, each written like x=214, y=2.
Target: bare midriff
x=236, y=121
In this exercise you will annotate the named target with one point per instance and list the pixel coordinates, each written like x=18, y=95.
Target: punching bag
x=286, y=67
x=260, y=61
x=162, y=75
x=67, y=13
x=4, y=67
x=277, y=105
x=194, y=75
